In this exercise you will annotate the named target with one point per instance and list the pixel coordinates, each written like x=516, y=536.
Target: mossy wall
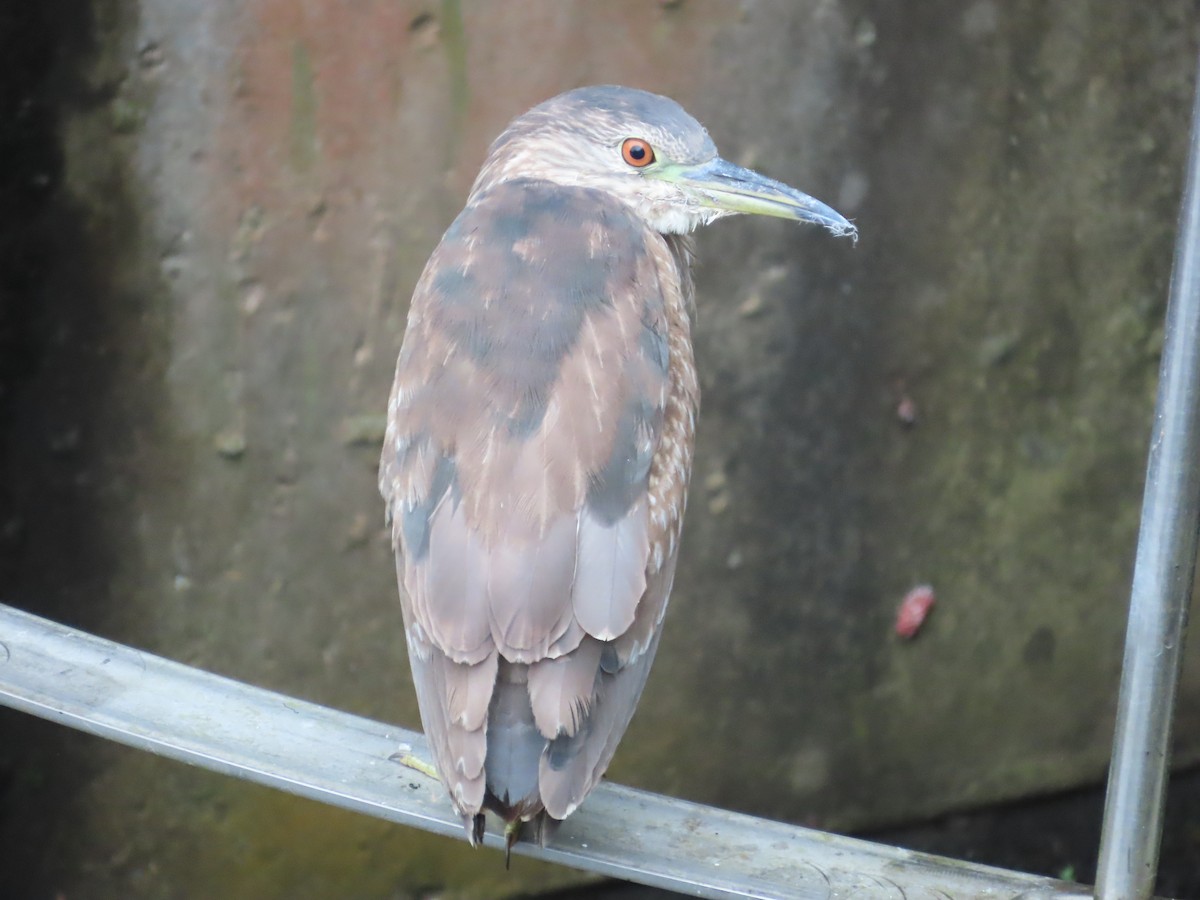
x=236, y=199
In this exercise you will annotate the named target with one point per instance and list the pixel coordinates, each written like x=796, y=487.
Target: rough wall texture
x=211, y=288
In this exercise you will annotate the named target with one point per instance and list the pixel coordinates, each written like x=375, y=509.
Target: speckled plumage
x=539, y=446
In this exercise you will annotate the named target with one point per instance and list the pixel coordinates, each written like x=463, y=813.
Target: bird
x=539, y=441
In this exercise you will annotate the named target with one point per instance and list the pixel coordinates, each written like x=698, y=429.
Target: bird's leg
x=405, y=757
x=475, y=825
x=512, y=834
x=547, y=825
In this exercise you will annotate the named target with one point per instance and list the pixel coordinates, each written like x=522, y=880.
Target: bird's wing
x=526, y=413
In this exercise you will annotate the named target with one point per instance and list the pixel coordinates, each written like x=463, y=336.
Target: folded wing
x=524, y=427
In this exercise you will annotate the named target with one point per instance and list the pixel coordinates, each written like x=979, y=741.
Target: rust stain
x=665, y=49
x=357, y=128
x=325, y=85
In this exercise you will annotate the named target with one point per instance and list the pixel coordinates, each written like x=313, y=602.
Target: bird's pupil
x=637, y=151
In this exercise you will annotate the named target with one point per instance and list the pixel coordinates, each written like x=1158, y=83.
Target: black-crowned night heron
x=539, y=440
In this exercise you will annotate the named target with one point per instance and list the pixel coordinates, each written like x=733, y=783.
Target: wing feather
x=562, y=690
x=453, y=699
x=527, y=582
x=611, y=574
x=453, y=587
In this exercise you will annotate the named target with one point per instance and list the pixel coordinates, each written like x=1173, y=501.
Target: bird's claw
x=405, y=757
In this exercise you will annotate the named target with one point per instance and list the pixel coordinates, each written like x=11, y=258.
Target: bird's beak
x=719, y=184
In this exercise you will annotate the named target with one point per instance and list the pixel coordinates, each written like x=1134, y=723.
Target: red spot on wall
x=914, y=609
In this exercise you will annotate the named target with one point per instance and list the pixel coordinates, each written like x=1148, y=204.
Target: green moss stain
x=128, y=116
x=454, y=39
x=262, y=845
x=303, y=138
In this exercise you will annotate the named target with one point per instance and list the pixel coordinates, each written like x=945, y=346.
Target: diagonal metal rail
x=145, y=701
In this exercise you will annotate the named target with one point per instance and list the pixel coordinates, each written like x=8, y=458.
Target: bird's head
x=645, y=150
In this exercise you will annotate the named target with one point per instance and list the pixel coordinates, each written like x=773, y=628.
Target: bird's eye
x=637, y=152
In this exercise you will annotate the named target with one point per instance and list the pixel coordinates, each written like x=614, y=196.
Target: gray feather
x=514, y=745
x=459, y=752
x=527, y=584
x=611, y=573
x=573, y=764
x=454, y=602
x=562, y=690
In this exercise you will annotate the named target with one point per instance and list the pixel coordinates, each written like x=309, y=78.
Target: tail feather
x=514, y=745
x=573, y=764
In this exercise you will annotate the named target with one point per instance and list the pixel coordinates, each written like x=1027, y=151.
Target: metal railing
x=145, y=701
x=1163, y=575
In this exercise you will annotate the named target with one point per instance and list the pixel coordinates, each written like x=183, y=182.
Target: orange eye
x=637, y=152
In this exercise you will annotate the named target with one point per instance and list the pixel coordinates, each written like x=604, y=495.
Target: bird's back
x=535, y=469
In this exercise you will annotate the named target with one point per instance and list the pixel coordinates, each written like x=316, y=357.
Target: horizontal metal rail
x=145, y=701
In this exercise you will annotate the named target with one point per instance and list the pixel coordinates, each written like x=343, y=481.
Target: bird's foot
x=405, y=757
x=512, y=834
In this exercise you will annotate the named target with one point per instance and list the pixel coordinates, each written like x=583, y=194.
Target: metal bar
x=132, y=697
x=1162, y=580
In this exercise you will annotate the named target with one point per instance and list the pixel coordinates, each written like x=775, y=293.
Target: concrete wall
x=213, y=253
